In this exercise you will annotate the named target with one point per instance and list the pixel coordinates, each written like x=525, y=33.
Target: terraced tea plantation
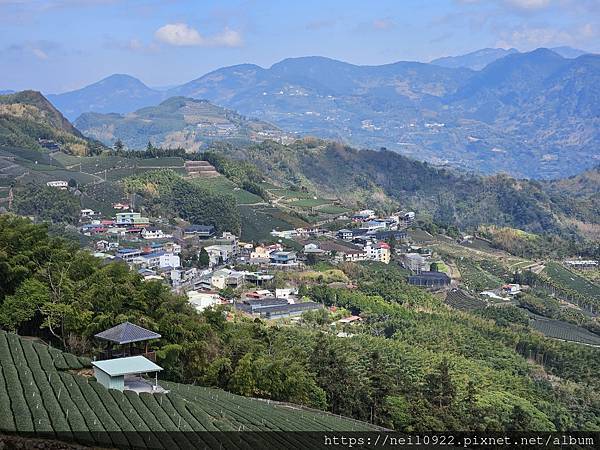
x=558, y=329
x=460, y=300
x=573, y=281
x=41, y=392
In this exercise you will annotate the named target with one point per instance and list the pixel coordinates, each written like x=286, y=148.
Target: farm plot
x=225, y=186
x=458, y=299
x=572, y=281
x=476, y=278
x=558, y=329
x=40, y=393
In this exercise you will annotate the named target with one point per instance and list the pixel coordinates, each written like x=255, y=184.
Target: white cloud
x=39, y=53
x=529, y=4
x=541, y=36
x=182, y=35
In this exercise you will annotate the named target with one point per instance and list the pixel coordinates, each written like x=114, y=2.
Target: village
x=257, y=279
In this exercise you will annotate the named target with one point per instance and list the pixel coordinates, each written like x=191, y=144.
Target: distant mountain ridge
x=114, y=94
x=176, y=122
x=529, y=114
x=478, y=59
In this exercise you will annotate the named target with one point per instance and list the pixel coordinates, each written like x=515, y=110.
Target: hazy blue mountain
x=569, y=52
x=530, y=114
x=116, y=93
x=6, y=92
x=476, y=60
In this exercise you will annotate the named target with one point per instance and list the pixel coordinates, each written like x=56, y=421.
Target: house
x=364, y=215
x=285, y=234
x=121, y=374
x=387, y=235
x=429, y=279
x=313, y=249
x=287, y=259
x=511, y=289
x=58, y=184
x=159, y=259
x=218, y=279
x=235, y=278
x=258, y=278
x=129, y=254
x=415, y=262
x=102, y=245
x=154, y=233
x=274, y=308
x=203, y=300
x=86, y=213
x=263, y=252
x=379, y=252
x=345, y=234
x=120, y=206
x=374, y=225
x=172, y=247
x=199, y=231
x=131, y=218
x=286, y=294
x=218, y=254
x=349, y=319
x=582, y=264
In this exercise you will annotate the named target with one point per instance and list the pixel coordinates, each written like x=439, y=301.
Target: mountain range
x=529, y=114
x=478, y=59
x=32, y=131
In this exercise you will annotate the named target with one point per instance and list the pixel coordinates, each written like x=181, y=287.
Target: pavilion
x=127, y=336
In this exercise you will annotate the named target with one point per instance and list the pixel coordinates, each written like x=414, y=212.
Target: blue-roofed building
x=128, y=254
x=200, y=231
x=287, y=259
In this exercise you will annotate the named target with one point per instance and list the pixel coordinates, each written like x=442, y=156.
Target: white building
x=58, y=184
x=154, y=233
x=161, y=260
x=379, y=252
x=203, y=300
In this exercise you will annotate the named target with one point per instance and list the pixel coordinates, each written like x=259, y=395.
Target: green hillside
x=386, y=179
x=176, y=122
x=28, y=120
x=44, y=393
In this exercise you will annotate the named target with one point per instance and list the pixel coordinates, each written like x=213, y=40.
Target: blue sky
x=59, y=45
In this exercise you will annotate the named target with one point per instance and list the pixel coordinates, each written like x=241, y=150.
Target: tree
x=72, y=183
x=119, y=147
x=439, y=387
x=203, y=258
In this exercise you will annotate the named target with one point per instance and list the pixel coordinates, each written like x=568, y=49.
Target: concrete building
x=123, y=374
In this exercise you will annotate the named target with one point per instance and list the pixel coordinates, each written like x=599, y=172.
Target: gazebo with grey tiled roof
x=125, y=335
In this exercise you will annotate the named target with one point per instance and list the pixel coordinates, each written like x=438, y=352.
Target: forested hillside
x=450, y=197
x=28, y=120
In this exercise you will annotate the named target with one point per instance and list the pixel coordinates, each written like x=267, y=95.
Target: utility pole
x=10, y=198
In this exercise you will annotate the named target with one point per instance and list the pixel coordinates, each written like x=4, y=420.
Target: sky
x=60, y=45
